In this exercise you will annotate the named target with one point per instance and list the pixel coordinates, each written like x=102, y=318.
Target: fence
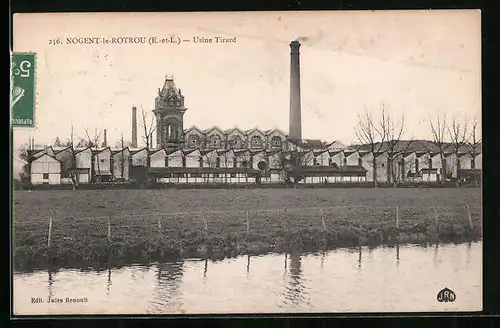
x=191, y=225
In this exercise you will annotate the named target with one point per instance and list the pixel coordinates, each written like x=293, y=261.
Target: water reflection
x=108, y=285
x=205, y=270
x=295, y=289
x=397, y=256
x=359, y=258
x=50, y=284
x=320, y=282
x=248, y=265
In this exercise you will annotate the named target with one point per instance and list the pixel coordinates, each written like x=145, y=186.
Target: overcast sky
x=416, y=63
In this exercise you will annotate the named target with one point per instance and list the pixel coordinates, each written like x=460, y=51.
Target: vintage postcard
x=246, y=162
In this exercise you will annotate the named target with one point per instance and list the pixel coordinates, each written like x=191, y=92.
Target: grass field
x=92, y=227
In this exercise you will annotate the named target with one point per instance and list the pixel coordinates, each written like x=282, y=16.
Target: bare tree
x=25, y=155
x=371, y=136
x=148, y=128
x=58, y=142
x=393, y=131
x=474, y=141
x=458, y=135
x=93, y=143
x=438, y=130
x=291, y=165
x=73, y=163
x=122, y=160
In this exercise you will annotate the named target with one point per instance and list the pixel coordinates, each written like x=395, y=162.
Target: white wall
x=157, y=159
x=102, y=162
x=121, y=159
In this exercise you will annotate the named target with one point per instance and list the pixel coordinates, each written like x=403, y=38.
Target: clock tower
x=169, y=111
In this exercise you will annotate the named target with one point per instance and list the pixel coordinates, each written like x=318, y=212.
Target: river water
x=401, y=279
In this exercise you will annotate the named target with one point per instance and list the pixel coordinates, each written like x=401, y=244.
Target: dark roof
x=427, y=170
x=240, y=151
x=334, y=170
x=206, y=151
x=333, y=153
x=164, y=170
x=121, y=150
x=189, y=151
x=319, y=152
x=133, y=152
x=61, y=150
x=308, y=143
x=45, y=154
x=349, y=153
x=82, y=150
x=255, y=152
x=95, y=152
x=171, y=151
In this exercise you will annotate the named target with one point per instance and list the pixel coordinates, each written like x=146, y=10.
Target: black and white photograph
x=246, y=162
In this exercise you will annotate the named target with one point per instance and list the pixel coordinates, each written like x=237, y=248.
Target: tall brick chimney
x=134, y=127
x=295, y=128
x=105, y=142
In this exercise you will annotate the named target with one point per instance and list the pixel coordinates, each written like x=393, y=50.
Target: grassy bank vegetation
x=92, y=228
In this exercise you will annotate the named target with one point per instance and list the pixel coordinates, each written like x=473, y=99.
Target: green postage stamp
x=22, y=101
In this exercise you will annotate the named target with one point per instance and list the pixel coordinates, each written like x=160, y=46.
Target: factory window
x=215, y=141
x=276, y=141
x=235, y=141
x=193, y=140
x=256, y=141
x=45, y=176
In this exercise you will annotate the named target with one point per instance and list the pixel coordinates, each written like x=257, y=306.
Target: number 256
x=24, y=69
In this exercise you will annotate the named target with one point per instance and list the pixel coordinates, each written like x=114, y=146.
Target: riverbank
x=92, y=228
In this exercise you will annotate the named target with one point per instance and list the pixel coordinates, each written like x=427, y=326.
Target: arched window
x=256, y=141
x=276, y=141
x=215, y=141
x=193, y=141
x=235, y=141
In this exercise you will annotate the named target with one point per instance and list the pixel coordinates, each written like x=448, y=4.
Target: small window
x=382, y=164
x=360, y=161
x=233, y=175
x=183, y=161
x=345, y=161
x=330, y=161
x=472, y=164
x=217, y=162
x=166, y=161
x=234, y=162
x=201, y=161
x=315, y=162
x=45, y=176
x=430, y=163
x=216, y=175
x=102, y=160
